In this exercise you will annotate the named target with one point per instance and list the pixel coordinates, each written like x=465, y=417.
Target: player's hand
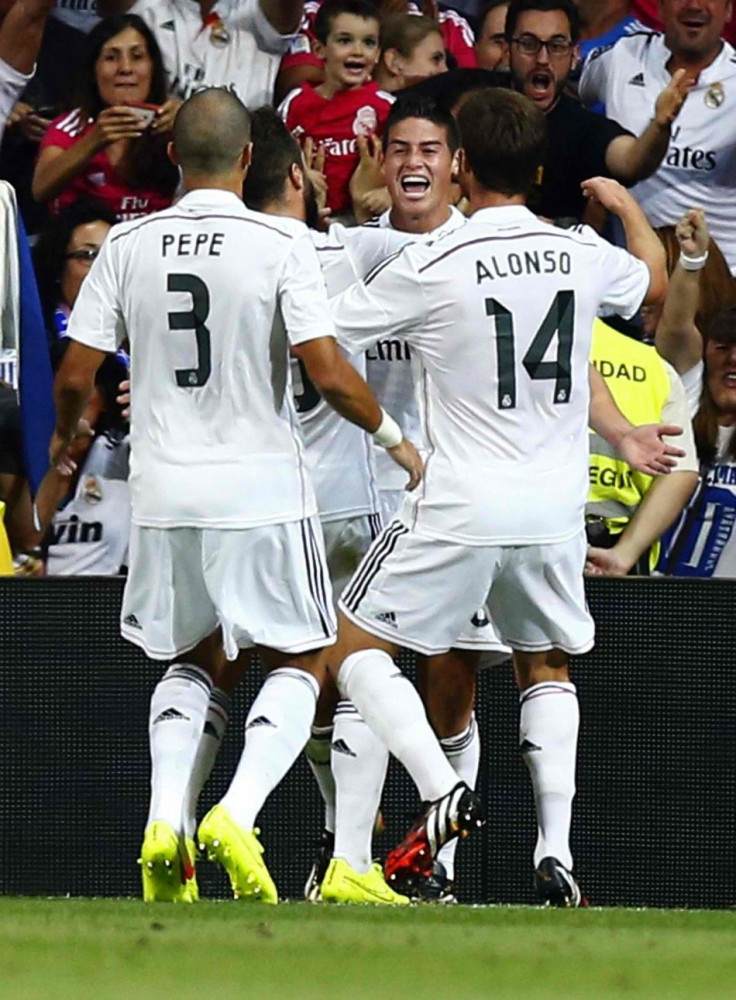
x=314, y=157
x=166, y=116
x=124, y=398
x=668, y=104
x=692, y=233
x=605, y=562
x=367, y=177
x=406, y=455
x=645, y=449
x=607, y=192
x=112, y=124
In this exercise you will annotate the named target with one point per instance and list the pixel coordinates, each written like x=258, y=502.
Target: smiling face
x=542, y=76
x=693, y=28
x=124, y=69
x=350, y=52
x=720, y=373
x=418, y=167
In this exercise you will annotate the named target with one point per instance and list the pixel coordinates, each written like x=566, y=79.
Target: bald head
x=211, y=131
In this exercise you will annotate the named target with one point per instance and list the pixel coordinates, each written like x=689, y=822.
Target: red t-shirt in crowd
x=336, y=124
x=456, y=34
x=648, y=12
x=99, y=180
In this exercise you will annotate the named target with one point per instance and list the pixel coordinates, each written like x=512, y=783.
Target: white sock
x=317, y=753
x=463, y=752
x=178, y=709
x=215, y=724
x=276, y=732
x=548, y=740
x=359, y=763
x=389, y=703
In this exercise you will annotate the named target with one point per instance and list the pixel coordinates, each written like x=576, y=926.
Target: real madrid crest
x=715, y=95
x=219, y=35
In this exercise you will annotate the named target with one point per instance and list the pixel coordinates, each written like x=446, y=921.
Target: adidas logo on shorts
x=637, y=80
x=132, y=621
x=388, y=617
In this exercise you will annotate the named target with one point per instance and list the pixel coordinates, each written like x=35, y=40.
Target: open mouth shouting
x=541, y=86
x=414, y=186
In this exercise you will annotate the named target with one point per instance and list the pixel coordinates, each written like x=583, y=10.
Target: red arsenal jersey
x=336, y=124
x=99, y=180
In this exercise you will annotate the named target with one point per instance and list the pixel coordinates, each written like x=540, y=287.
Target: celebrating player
x=240, y=564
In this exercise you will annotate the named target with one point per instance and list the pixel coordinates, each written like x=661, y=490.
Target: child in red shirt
x=347, y=104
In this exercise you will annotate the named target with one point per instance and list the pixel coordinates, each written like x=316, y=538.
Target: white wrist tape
x=389, y=434
x=693, y=263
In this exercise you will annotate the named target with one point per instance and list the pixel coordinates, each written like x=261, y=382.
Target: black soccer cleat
x=433, y=888
x=556, y=885
x=322, y=858
x=454, y=815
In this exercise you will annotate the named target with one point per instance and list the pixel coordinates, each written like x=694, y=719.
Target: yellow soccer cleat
x=167, y=869
x=239, y=852
x=342, y=884
x=191, y=888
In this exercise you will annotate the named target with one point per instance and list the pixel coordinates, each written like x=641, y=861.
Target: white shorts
x=390, y=501
x=346, y=542
x=264, y=586
x=479, y=634
x=420, y=592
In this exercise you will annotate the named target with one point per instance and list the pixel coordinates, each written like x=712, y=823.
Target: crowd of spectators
x=89, y=92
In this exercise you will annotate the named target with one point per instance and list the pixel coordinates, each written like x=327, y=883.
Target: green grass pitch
x=114, y=949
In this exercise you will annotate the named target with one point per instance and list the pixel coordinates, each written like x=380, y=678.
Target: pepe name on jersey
x=192, y=245
x=527, y=262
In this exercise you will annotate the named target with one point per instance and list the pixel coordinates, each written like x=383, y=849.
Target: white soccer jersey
x=89, y=536
x=500, y=314
x=12, y=85
x=339, y=454
x=390, y=373
x=238, y=47
x=699, y=168
x=208, y=292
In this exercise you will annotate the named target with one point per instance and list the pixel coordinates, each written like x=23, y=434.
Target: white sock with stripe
x=318, y=752
x=215, y=724
x=548, y=740
x=176, y=721
x=276, y=732
x=389, y=703
x=463, y=752
x=359, y=763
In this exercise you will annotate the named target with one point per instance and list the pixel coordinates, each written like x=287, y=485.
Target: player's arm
x=73, y=387
x=342, y=387
x=643, y=447
x=661, y=506
x=632, y=158
x=641, y=240
x=21, y=33
x=283, y=15
x=677, y=338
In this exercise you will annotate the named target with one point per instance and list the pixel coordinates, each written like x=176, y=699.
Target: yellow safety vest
x=6, y=557
x=638, y=380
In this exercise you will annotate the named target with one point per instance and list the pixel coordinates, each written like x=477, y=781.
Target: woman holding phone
x=112, y=146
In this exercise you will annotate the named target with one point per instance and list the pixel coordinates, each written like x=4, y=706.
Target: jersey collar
x=503, y=215
x=202, y=197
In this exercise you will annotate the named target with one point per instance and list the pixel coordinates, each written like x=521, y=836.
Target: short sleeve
x=594, y=77
x=624, y=278
x=63, y=132
x=302, y=294
x=248, y=14
x=96, y=318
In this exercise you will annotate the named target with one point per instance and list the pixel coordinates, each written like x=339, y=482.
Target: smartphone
x=48, y=111
x=144, y=112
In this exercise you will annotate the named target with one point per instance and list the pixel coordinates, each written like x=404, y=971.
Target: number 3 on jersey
x=192, y=319
x=558, y=323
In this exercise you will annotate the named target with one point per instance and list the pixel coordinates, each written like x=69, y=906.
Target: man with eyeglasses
x=543, y=40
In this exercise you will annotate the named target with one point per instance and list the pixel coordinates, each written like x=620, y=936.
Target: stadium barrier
x=653, y=819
